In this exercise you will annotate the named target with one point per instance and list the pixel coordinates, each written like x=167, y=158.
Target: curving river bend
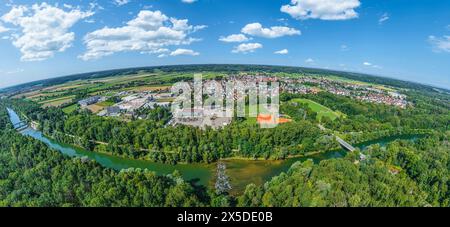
x=241, y=172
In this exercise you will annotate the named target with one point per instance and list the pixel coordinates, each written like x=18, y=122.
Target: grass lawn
x=70, y=108
x=165, y=100
x=105, y=103
x=322, y=111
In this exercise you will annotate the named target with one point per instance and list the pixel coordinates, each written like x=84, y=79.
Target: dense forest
x=31, y=174
x=403, y=174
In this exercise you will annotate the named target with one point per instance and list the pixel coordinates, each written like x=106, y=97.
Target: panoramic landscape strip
x=212, y=112
x=123, y=120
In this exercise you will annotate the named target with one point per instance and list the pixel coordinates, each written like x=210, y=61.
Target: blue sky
x=405, y=39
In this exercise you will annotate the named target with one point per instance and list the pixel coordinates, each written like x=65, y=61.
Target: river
x=241, y=172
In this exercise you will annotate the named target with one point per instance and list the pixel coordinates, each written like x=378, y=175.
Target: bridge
x=342, y=142
x=345, y=144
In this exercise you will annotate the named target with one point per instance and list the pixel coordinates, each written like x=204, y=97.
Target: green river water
x=241, y=172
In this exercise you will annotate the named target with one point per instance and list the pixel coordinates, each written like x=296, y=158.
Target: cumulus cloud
x=44, y=29
x=322, y=9
x=440, y=44
x=235, y=38
x=121, y=2
x=178, y=52
x=284, y=51
x=188, y=1
x=367, y=64
x=150, y=32
x=247, y=48
x=256, y=29
x=383, y=18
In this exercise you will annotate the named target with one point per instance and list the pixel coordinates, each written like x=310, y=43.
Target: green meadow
x=322, y=111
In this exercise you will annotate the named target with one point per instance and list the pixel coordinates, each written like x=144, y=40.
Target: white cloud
x=383, y=18
x=178, y=52
x=247, y=48
x=149, y=32
x=121, y=2
x=322, y=9
x=44, y=29
x=68, y=6
x=283, y=20
x=256, y=29
x=368, y=64
x=15, y=71
x=188, y=1
x=95, y=6
x=235, y=38
x=198, y=27
x=309, y=61
x=440, y=44
x=284, y=51
x=3, y=29
x=89, y=21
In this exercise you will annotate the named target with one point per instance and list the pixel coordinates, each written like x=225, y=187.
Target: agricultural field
x=69, y=92
x=57, y=102
x=361, y=83
x=148, y=88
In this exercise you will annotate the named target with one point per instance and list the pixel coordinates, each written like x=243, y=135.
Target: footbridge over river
x=342, y=142
x=345, y=144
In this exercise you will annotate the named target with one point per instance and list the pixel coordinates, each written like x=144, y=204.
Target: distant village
x=313, y=85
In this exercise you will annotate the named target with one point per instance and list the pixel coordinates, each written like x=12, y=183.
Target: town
x=127, y=103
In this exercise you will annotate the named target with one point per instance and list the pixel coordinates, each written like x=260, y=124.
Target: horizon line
x=242, y=64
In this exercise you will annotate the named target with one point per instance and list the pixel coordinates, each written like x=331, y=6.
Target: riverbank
x=241, y=171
